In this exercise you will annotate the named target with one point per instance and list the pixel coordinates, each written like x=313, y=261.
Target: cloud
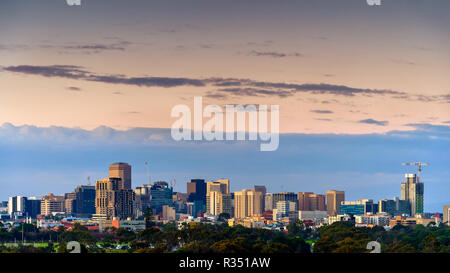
x=225, y=86
x=73, y=88
x=374, y=122
x=79, y=73
x=88, y=48
x=322, y=111
x=273, y=54
x=401, y=61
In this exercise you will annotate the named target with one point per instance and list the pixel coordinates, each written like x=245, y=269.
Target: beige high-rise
x=248, y=203
x=218, y=197
x=112, y=201
x=334, y=199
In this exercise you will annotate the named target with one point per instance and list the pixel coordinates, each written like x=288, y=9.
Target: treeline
x=340, y=237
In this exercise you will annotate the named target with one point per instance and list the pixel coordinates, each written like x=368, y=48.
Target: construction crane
x=173, y=183
x=419, y=166
x=148, y=172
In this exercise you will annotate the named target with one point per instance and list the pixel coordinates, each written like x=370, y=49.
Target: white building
x=373, y=219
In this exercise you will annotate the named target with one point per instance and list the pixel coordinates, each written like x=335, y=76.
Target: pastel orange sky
x=394, y=47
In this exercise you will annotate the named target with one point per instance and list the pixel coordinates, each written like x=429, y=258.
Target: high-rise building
x=70, y=203
x=196, y=190
x=161, y=194
x=248, y=203
x=17, y=206
x=51, y=204
x=359, y=207
x=123, y=171
x=412, y=191
x=283, y=196
x=111, y=201
x=334, y=199
x=395, y=207
x=218, y=198
x=308, y=201
x=268, y=202
x=263, y=190
x=85, y=201
x=33, y=207
x=446, y=215
x=142, y=199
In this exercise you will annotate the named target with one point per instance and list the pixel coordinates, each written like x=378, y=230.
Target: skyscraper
x=123, y=171
x=308, y=201
x=142, y=199
x=218, y=198
x=85, y=201
x=412, y=191
x=248, y=203
x=161, y=195
x=283, y=196
x=112, y=201
x=334, y=199
x=196, y=190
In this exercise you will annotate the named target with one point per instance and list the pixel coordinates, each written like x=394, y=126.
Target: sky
x=361, y=89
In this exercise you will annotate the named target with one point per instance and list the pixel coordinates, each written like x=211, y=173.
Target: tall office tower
x=142, y=199
x=51, y=203
x=85, y=201
x=112, y=201
x=395, y=207
x=248, y=203
x=268, y=202
x=218, y=198
x=124, y=205
x=283, y=196
x=17, y=206
x=318, y=202
x=123, y=171
x=412, y=191
x=263, y=191
x=446, y=215
x=334, y=199
x=161, y=195
x=308, y=201
x=304, y=202
x=33, y=207
x=196, y=190
x=104, y=196
x=70, y=203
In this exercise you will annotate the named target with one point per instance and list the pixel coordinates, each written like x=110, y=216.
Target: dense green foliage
x=340, y=237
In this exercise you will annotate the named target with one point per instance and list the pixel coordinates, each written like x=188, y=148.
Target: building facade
x=334, y=199
x=123, y=171
x=412, y=191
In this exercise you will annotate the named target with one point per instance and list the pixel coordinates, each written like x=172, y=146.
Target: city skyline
x=361, y=89
x=216, y=188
